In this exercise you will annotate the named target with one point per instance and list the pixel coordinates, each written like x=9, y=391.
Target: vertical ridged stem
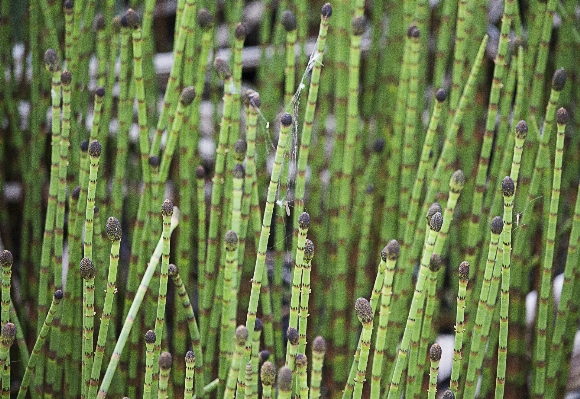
x=173, y=85
x=165, y=361
x=339, y=322
x=365, y=316
x=375, y=296
x=166, y=212
x=114, y=234
x=132, y=314
x=562, y=315
x=459, y=53
x=481, y=327
x=435, y=357
x=546, y=274
x=384, y=313
x=416, y=307
x=90, y=204
x=286, y=124
x=201, y=227
x=508, y=189
x=318, y=352
x=34, y=356
x=459, y=327
x=88, y=274
x=409, y=155
x=443, y=41
x=228, y=319
x=297, y=274
x=189, y=375
x=305, y=295
x=302, y=378
x=256, y=358
x=215, y=212
x=149, y=355
x=241, y=338
x=197, y=368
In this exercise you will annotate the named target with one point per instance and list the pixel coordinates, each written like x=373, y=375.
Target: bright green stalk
x=443, y=41
x=545, y=282
x=375, y=296
x=113, y=228
x=248, y=388
x=508, y=189
x=459, y=53
x=94, y=154
x=318, y=351
x=316, y=66
x=286, y=124
x=267, y=376
x=301, y=365
x=150, y=339
x=391, y=251
x=228, y=307
x=418, y=350
x=285, y=383
x=479, y=331
x=87, y=270
x=189, y=375
x=193, y=329
x=304, y=223
x=435, y=356
x=53, y=66
x=185, y=100
x=166, y=212
x=459, y=325
x=132, y=314
x=240, y=338
x=409, y=155
x=171, y=93
x=256, y=359
x=288, y=20
x=417, y=303
x=473, y=237
x=6, y=261
x=6, y=340
x=344, y=200
x=31, y=365
x=165, y=362
x=305, y=291
x=554, y=361
x=216, y=198
x=365, y=315
x=292, y=348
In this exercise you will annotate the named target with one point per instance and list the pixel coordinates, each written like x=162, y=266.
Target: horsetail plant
x=459, y=325
x=189, y=375
x=240, y=339
x=165, y=362
x=285, y=383
x=364, y=313
x=302, y=383
x=435, y=356
x=267, y=376
x=87, y=269
x=150, y=339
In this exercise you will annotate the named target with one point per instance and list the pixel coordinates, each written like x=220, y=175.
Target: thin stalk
x=459, y=325
x=240, y=339
x=302, y=383
x=150, y=339
x=304, y=223
x=189, y=375
x=31, y=365
x=165, y=362
x=305, y=292
x=132, y=314
x=87, y=270
x=318, y=352
x=435, y=356
x=365, y=315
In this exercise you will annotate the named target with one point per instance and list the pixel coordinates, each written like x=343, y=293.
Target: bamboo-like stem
x=365, y=315
x=435, y=356
x=304, y=223
x=459, y=325
x=87, y=270
x=305, y=292
x=31, y=365
x=150, y=339
x=240, y=338
x=318, y=352
x=189, y=375
x=165, y=362
x=508, y=189
x=302, y=383
x=114, y=233
x=132, y=314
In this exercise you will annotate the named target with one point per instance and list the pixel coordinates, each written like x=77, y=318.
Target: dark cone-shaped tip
x=562, y=116
x=238, y=171
x=100, y=92
x=113, y=228
x=66, y=77
x=448, y=395
x=308, y=250
x=435, y=262
x=98, y=22
x=132, y=18
x=435, y=352
x=358, y=25
x=76, y=192
x=521, y=130
x=84, y=145
x=379, y=145
x=508, y=187
x=319, y=345
x=240, y=147
x=304, y=220
x=497, y=225
x=457, y=181
x=187, y=95
x=433, y=209
x=231, y=240
x=326, y=10
x=436, y=222
x=95, y=149
x=172, y=270
x=559, y=80
x=285, y=379
x=222, y=68
x=258, y=325
x=154, y=161
x=167, y=208
x=464, y=271
x=264, y=355
x=87, y=268
x=150, y=337
x=165, y=360
x=363, y=310
x=6, y=258
x=391, y=251
x=189, y=357
x=292, y=335
x=69, y=5
x=288, y=20
x=51, y=60
x=58, y=294
x=200, y=172
x=301, y=360
x=286, y=119
x=241, y=335
x=204, y=19
x=241, y=31
x=268, y=373
x=413, y=32
x=441, y=95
